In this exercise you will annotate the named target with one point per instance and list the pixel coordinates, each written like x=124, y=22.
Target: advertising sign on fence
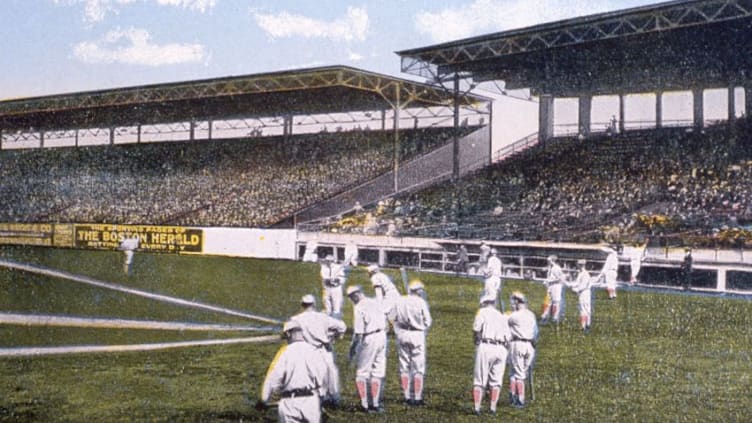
x=168, y=239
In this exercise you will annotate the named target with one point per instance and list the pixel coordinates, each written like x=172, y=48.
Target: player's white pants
x=490, y=362
x=332, y=299
x=610, y=277
x=492, y=285
x=411, y=350
x=556, y=307
x=371, y=358
x=300, y=409
x=522, y=354
x=635, y=266
x=330, y=380
x=585, y=306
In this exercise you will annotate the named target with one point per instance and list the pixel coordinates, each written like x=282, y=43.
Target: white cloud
x=134, y=47
x=485, y=16
x=354, y=57
x=351, y=27
x=96, y=10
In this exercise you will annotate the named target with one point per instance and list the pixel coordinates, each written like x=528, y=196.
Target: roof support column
x=396, y=143
x=584, y=114
x=747, y=98
x=622, y=114
x=286, y=126
x=1, y=138
x=699, y=107
x=41, y=138
x=731, y=103
x=659, y=109
x=546, y=117
x=456, y=137
x=112, y=136
x=211, y=125
x=490, y=133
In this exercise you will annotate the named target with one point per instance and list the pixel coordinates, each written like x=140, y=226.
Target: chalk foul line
x=77, y=349
x=145, y=294
x=89, y=322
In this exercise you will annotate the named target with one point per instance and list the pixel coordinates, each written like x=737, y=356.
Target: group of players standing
x=304, y=373
x=305, y=377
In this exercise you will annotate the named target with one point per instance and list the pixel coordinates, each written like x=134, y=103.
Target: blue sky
x=58, y=46
x=61, y=46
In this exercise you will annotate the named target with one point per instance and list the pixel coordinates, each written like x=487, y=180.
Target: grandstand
x=217, y=153
x=300, y=149
x=695, y=183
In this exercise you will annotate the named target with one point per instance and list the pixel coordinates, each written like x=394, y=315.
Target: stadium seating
x=240, y=183
x=673, y=181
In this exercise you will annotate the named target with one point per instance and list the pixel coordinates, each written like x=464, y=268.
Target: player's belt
x=408, y=327
x=371, y=333
x=297, y=393
x=522, y=340
x=491, y=341
x=331, y=283
x=325, y=345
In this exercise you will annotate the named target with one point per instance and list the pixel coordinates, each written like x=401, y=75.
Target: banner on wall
x=26, y=234
x=166, y=239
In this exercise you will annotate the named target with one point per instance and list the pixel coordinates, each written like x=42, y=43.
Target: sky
x=61, y=46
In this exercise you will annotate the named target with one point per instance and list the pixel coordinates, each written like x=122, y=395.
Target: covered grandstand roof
x=334, y=89
x=670, y=45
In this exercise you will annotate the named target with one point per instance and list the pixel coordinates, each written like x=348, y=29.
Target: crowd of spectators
x=684, y=181
x=230, y=183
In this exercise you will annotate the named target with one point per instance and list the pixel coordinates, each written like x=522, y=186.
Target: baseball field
x=184, y=343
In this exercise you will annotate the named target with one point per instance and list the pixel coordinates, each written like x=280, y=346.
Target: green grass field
x=650, y=357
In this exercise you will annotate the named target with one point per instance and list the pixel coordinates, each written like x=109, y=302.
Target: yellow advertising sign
x=26, y=234
x=167, y=239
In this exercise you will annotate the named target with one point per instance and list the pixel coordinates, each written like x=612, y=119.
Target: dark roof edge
x=548, y=26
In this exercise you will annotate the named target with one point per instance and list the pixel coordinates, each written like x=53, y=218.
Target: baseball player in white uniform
x=320, y=330
x=412, y=319
x=582, y=287
x=492, y=275
x=609, y=271
x=386, y=293
x=294, y=375
x=491, y=335
x=129, y=246
x=554, y=281
x=332, y=280
x=368, y=347
x=524, y=330
x=635, y=262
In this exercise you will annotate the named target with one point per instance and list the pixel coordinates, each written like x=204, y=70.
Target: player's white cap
x=552, y=258
x=494, y=251
x=308, y=299
x=487, y=298
x=415, y=285
x=353, y=289
x=581, y=262
x=291, y=325
x=373, y=268
x=518, y=297
x=329, y=257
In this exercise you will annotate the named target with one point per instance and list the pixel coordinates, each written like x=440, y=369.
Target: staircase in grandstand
x=428, y=169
